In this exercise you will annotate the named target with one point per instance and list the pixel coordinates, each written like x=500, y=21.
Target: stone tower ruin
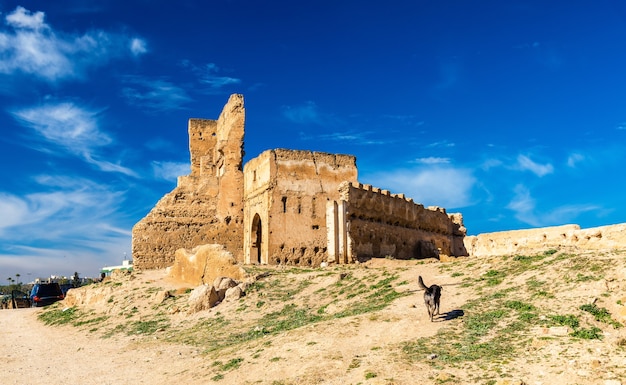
x=207, y=205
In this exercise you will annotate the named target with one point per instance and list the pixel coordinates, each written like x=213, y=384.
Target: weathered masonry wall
x=367, y=222
x=533, y=241
x=285, y=204
x=207, y=205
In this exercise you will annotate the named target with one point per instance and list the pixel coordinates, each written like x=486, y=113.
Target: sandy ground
x=39, y=354
x=340, y=351
x=33, y=353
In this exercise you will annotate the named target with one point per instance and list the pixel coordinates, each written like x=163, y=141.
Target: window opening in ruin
x=313, y=207
x=284, y=200
x=315, y=227
x=254, y=175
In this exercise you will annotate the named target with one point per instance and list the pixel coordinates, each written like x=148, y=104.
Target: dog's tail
x=421, y=283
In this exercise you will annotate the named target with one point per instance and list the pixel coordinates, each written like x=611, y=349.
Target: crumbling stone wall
x=284, y=207
x=368, y=222
x=532, y=241
x=285, y=204
x=206, y=206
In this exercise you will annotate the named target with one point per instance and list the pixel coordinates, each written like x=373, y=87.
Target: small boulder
x=161, y=296
x=233, y=293
x=222, y=284
x=202, y=298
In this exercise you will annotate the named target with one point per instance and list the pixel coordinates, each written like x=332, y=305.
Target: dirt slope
x=504, y=319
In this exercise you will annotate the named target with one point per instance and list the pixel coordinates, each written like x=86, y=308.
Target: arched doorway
x=256, y=235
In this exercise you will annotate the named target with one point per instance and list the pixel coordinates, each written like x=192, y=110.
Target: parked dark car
x=44, y=294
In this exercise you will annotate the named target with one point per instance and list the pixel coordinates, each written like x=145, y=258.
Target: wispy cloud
x=447, y=187
x=524, y=207
x=138, y=47
x=210, y=76
x=30, y=46
x=441, y=144
x=432, y=160
x=170, y=171
x=524, y=163
x=574, y=159
x=154, y=94
x=63, y=206
x=306, y=113
x=407, y=120
x=491, y=163
x=69, y=217
x=351, y=137
x=73, y=129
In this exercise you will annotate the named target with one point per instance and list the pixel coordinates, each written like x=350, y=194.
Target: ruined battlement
x=377, y=205
x=368, y=222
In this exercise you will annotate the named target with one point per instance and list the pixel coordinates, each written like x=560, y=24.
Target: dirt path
x=33, y=353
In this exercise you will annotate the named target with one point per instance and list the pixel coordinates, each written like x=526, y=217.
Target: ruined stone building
x=284, y=207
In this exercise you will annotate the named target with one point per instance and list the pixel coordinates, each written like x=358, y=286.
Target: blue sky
x=512, y=113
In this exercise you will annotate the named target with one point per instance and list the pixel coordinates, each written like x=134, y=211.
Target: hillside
x=556, y=317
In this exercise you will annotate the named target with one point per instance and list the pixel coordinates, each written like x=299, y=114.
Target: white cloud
x=491, y=163
x=209, y=74
x=32, y=47
x=64, y=207
x=66, y=125
x=524, y=206
x=440, y=144
x=157, y=95
x=574, y=159
x=13, y=210
x=23, y=18
x=170, y=171
x=524, y=163
x=72, y=128
x=138, y=46
x=442, y=186
x=432, y=160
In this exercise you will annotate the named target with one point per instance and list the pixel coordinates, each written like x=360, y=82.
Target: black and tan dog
x=432, y=297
